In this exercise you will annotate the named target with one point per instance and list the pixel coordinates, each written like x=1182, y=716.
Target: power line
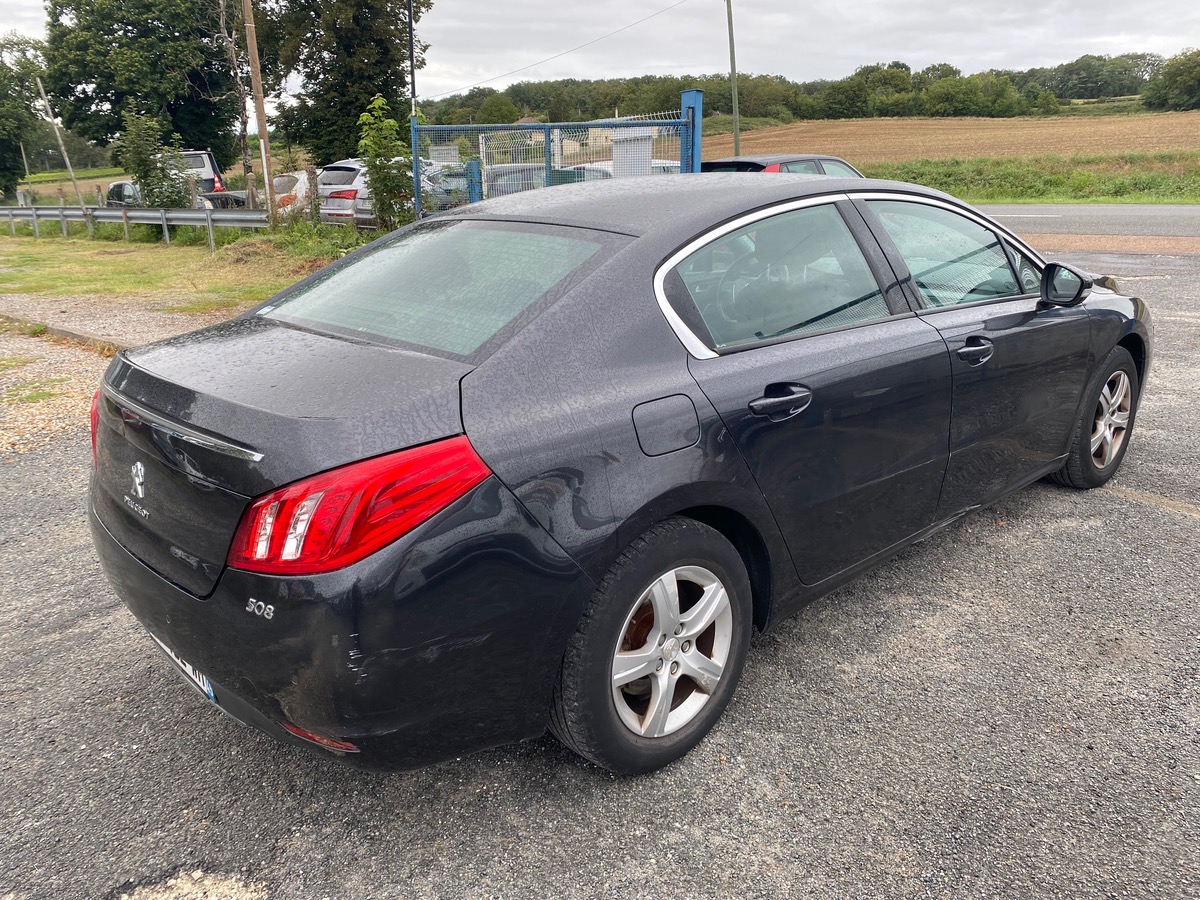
x=559, y=55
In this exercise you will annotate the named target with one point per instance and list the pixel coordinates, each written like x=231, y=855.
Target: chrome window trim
x=183, y=432
x=967, y=213
x=694, y=346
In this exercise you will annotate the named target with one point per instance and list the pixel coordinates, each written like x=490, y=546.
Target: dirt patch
x=898, y=140
x=199, y=885
x=1115, y=243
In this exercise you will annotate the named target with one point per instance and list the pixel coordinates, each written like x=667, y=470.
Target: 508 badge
x=260, y=609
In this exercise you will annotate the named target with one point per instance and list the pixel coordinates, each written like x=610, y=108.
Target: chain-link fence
x=458, y=164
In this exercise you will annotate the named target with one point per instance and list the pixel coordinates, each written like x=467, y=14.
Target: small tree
x=389, y=165
x=157, y=170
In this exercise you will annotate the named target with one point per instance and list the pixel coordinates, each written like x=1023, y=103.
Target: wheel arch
x=1135, y=344
x=751, y=547
x=739, y=513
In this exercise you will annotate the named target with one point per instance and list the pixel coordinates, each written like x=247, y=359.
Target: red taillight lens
x=344, y=195
x=339, y=517
x=95, y=429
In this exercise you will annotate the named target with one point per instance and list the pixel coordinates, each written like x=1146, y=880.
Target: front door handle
x=976, y=351
x=781, y=400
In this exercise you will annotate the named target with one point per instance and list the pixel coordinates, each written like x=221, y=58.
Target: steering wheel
x=746, y=266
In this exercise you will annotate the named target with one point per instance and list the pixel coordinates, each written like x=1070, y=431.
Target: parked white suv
x=202, y=165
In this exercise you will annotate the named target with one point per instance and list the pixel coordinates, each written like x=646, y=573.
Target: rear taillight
x=95, y=429
x=344, y=195
x=218, y=184
x=336, y=518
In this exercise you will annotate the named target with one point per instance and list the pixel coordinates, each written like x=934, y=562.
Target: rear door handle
x=976, y=351
x=787, y=398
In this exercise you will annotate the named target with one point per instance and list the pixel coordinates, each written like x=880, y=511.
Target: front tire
x=658, y=652
x=1105, y=424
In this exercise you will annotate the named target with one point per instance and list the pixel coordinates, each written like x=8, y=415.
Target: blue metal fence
x=457, y=164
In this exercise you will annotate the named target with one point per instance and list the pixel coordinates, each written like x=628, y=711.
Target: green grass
x=114, y=172
x=185, y=278
x=8, y=363
x=1115, y=178
x=34, y=391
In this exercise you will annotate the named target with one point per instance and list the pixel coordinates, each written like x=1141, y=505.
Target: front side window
x=952, y=259
x=803, y=167
x=792, y=273
x=1029, y=274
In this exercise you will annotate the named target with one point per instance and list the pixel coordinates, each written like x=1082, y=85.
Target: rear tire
x=1105, y=424
x=658, y=652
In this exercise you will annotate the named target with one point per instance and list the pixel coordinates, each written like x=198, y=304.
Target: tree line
x=179, y=67
x=882, y=89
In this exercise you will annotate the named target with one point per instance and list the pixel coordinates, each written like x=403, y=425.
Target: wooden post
x=260, y=113
x=61, y=147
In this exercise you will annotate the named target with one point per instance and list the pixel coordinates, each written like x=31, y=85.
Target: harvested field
x=866, y=141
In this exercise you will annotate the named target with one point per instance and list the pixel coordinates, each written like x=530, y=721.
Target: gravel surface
x=125, y=323
x=1008, y=709
x=45, y=390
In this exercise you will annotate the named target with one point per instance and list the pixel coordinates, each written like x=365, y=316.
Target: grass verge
x=114, y=173
x=177, y=278
x=1113, y=178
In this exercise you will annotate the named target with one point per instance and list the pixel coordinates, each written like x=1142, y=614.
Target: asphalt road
x=1162, y=220
x=1009, y=709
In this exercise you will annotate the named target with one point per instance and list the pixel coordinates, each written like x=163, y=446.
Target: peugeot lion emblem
x=139, y=480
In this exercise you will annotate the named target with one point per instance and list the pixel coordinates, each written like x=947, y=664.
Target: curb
x=91, y=341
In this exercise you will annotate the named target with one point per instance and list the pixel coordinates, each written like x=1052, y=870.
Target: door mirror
x=1064, y=286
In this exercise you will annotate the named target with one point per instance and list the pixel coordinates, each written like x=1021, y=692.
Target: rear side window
x=788, y=274
x=332, y=175
x=833, y=167
x=446, y=287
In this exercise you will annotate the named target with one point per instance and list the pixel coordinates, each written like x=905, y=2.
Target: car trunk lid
x=183, y=444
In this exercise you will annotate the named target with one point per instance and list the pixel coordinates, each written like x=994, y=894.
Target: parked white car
x=603, y=168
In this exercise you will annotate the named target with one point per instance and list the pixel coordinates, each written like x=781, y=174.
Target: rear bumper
x=446, y=642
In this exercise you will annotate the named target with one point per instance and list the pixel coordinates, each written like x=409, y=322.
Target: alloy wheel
x=1111, y=422
x=672, y=651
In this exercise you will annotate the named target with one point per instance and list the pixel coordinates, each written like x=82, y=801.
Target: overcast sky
x=475, y=40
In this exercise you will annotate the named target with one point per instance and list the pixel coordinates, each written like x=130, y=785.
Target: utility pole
x=61, y=148
x=260, y=113
x=737, y=137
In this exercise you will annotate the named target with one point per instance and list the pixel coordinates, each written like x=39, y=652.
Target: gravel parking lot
x=1008, y=709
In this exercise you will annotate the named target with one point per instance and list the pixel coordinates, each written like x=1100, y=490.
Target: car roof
x=671, y=205
x=770, y=159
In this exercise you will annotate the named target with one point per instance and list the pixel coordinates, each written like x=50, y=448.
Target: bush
x=157, y=169
x=389, y=175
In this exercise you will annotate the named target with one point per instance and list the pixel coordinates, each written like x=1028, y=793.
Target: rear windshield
x=331, y=175
x=195, y=162
x=453, y=288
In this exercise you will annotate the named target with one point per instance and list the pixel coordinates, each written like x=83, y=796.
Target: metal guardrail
x=90, y=215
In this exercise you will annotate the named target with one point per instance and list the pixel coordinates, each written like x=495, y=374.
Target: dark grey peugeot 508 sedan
x=550, y=459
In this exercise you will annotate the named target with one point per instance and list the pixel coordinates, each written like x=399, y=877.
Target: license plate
x=194, y=675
